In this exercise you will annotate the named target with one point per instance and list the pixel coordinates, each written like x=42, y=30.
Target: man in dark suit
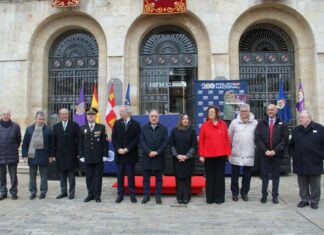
x=271, y=138
x=125, y=138
x=93, y=148
x=66, y=140
x=153, y=141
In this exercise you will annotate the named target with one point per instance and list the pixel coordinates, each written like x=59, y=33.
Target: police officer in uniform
x=93, y=149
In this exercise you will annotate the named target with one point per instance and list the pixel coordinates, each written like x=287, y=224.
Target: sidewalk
x=52, y=216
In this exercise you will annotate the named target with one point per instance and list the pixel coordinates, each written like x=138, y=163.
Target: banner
x=227, y=95
x=65, y=3
x=164, y=6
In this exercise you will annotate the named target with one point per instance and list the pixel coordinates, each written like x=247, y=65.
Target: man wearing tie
x=93, y=149
x=125, y=138
x=66, y=140
x=271, y=138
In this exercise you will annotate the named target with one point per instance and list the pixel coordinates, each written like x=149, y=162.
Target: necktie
x=64, y=125
x=91, y=126
x=271, y=129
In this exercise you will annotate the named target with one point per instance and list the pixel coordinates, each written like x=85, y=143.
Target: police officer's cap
x=92, y=110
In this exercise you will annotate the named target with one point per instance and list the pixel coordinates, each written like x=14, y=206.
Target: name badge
x=314, y=131
x=280, y=123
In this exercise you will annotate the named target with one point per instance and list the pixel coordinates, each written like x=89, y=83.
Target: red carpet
x=169, y=186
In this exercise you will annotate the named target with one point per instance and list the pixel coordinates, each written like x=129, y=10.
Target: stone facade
x=29, y=27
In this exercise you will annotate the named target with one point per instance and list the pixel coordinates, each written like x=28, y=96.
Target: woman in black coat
x=183, y=143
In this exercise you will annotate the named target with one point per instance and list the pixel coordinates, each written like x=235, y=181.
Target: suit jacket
x=93, y=145
x=66, y=146
x=280, y=137
x=123, y=137
x=153, y=140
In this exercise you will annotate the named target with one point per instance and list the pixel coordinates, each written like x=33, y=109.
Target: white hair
x=245, y=107
x=39, y=114
x=127, y=109
x=154, y=110
x=306, y=113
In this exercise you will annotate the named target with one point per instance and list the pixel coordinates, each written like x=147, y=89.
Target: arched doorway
x=73, y=59
x=266, y=56
x=168, y=68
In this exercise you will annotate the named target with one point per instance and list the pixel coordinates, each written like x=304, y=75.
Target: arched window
x=73, y=59
x=266, y=56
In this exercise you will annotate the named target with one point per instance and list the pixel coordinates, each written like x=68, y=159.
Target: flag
x=284, y=111
x=79, y=116
x=95, y=103
x=300, y=106
x=110, y=112
x=127, y=98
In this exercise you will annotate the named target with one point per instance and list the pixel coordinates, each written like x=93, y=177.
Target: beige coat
x=242, y=138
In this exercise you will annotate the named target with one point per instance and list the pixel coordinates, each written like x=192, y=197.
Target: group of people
x=245, y=137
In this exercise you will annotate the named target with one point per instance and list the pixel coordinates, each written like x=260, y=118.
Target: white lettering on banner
x=205, y=97
x=205, y=108
x=210, y=102
x=210, y=85
x=216, y=97
x=200, y=103
x=210, y=92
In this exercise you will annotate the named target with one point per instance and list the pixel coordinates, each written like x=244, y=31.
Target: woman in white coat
x=241, y=133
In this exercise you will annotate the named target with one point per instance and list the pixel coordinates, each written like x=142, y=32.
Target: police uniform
x=93, y=147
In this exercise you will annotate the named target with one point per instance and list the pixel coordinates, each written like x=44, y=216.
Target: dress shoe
x=71, y=196
x=263, y=200
x=3, y=196
x=62, y=195
x=180, y=202
x=14, y=197
x=158, y=200
x=245, y=197
x=98, y=200
x=88, y=199
x=42, y=196
x=185, y=202
x=145, y=199
x=133, y=199
x=119, y=199
x=275, y=200
x=314, y=205
x=235, y=198
x=32, y=196
x=302, y=204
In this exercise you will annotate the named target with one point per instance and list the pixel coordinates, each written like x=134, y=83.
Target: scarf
x=36, y=142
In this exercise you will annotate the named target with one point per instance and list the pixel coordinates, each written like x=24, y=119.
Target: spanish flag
x=95, y=103
x=110, y=112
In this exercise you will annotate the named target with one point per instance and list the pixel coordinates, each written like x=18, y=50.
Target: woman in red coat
x=214, y=147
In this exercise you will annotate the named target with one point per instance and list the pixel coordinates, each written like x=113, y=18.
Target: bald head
x=5, y=115
x=64, y=114
x=272, y=110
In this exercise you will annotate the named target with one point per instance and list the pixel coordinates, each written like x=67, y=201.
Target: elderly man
x=66, y=140
x=38, y=148
x=153, y=141
x=93, y=148
x=125, y=138
x=271, y=138
x=10, y=139
x=241, y=133
x=306, y=147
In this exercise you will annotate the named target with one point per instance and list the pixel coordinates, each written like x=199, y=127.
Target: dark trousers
x=215, y=179
x=33, y=176
x=246, y=180
x=12, y=168
x=129, y=170
x=309, y=188
x=64, y=175
x=94, y=179
x=183, y=189
x=158, y=182
x=270, y=166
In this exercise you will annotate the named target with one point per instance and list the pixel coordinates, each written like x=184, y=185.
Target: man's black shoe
x=245, y=197
x=71, y=196
x=145, y=199
x=263, y=200
x=275, y=200
x=14, y=197
x=314, y=205
x=62, y=195
x=32, y=196
x=3, y=196
x=98, y=200
x=88, y=199
x=235, y=198
x=158, y=200
x=42, y=196
x=133, y=199
x=302, y=204
x=119, y=199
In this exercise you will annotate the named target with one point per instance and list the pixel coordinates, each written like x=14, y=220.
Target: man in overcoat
x=306, y=148
x=66, y=140
x=153, y=141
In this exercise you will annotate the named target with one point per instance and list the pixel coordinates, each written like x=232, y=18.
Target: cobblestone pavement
x=52, y=216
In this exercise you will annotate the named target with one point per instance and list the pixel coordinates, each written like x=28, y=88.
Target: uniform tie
x=271, y=129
